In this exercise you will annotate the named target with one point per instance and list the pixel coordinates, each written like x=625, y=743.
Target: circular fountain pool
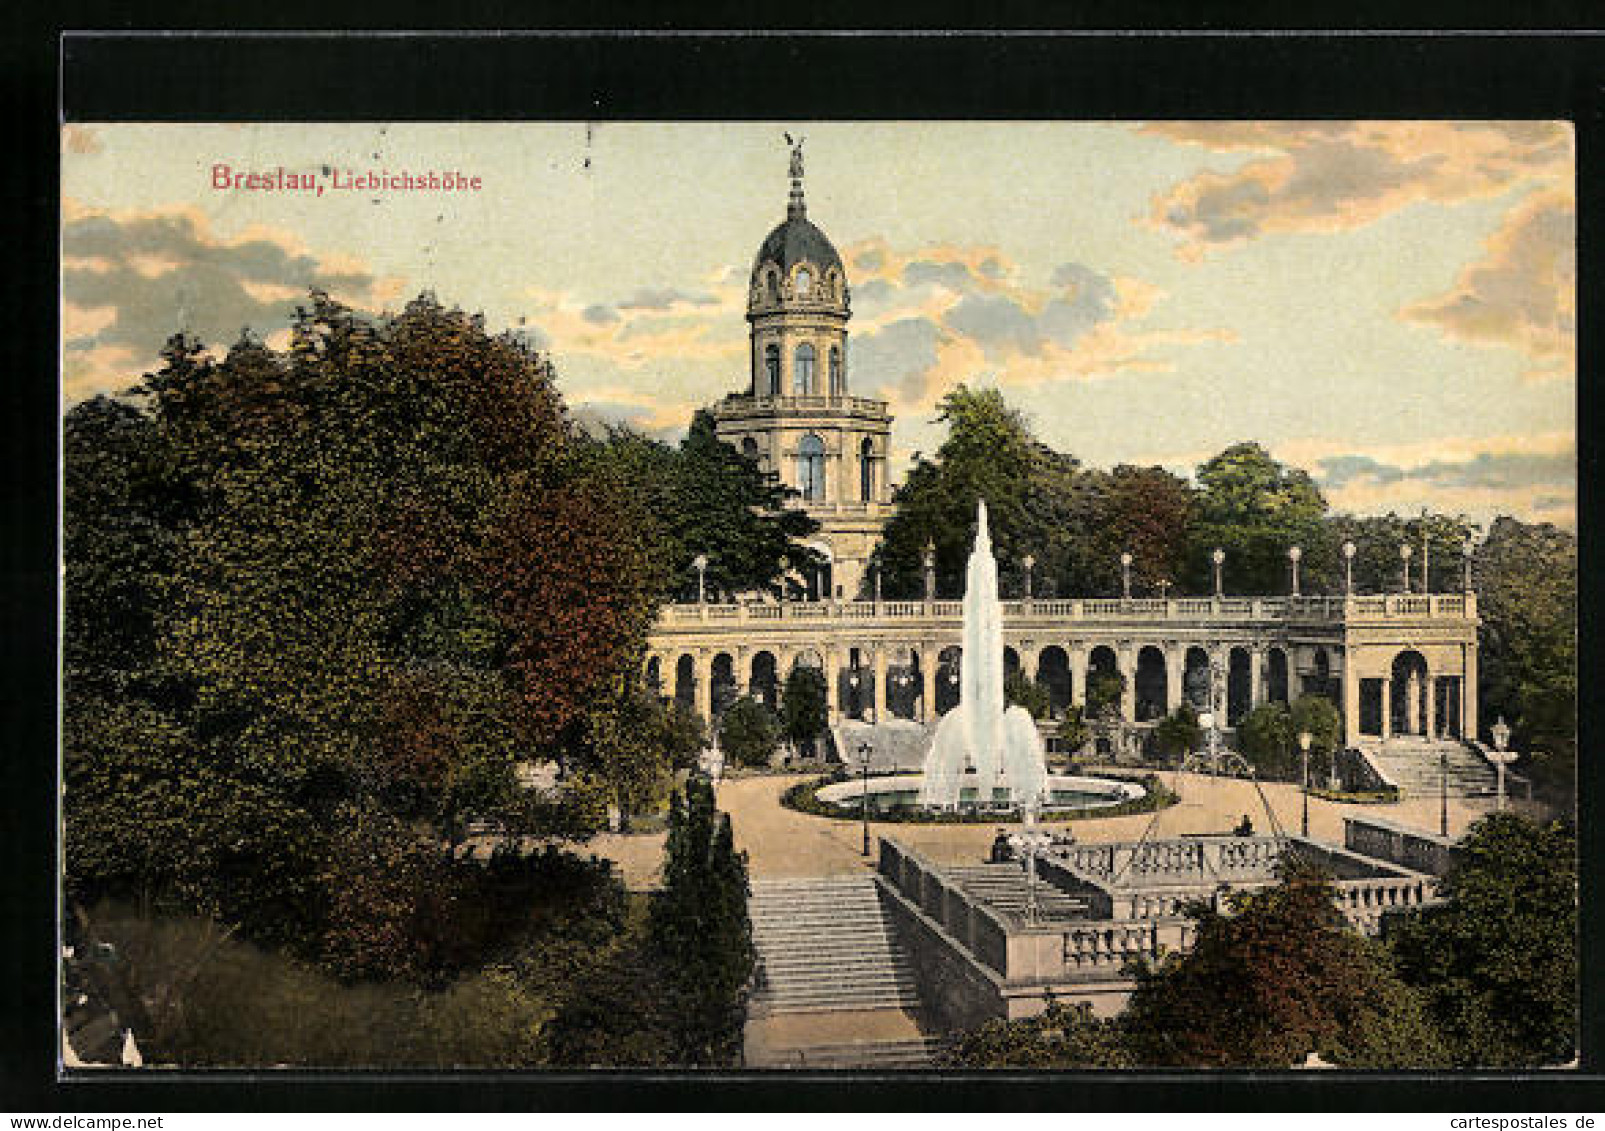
x=900, y=793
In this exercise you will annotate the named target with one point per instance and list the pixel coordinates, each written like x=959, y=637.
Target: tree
x=1377, y=566
x=1275, y=979
x=1143, y=511
x=749, y=732
x=804, y=707
x=990, y=454
x=361, y=576
x=706, y=498
x=1526, y=581
x=1104, y=690
x=1060, y=1036
x=1265, y=739
x=1316, y=716
x=701, y=927
x=1023, y=692
x=1254, y=509
x=1497, y=960
x=1178, y=733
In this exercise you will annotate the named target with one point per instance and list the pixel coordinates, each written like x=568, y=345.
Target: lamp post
x=1304, y=740
x=1467, y=551
x=1293, y=555
x=1426, y=555
x=876, y=571
x=864, y=750
x=1501, y=757
x=929, y=562
x=1028, y=842
x=1125, y=576
x=701, y=564
x=1404, y=556
x=1219, y=558
x=1348, y=568
x=1028, y=562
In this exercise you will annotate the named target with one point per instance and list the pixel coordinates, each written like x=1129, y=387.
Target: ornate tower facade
x=797, y=416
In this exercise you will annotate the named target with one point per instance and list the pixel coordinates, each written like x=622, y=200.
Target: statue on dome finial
x=796, y=156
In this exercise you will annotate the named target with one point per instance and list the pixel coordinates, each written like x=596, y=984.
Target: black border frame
x=709, y=75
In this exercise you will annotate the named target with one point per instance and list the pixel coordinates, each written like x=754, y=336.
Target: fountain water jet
x=1002, y=745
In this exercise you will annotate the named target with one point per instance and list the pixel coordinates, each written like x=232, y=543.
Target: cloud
x=600, y=314
x=1336, y=176
x=892, y=361
x=664, y=298
x=1522, y=293
x=998, y=323
x=130, y=281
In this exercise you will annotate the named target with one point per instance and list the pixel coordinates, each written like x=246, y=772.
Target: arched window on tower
x=802, y=377
x=836, y=386
x=771, y=367
x=811, y=468
x=805, y=282
x=866, y=470
x=772, y=285
x=749, y=448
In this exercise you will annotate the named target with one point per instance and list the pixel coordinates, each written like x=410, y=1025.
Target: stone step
x=840, y=1003
x=914, y=1052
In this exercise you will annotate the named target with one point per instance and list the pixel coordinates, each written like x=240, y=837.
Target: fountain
x=1001, y=744
x=986, y=758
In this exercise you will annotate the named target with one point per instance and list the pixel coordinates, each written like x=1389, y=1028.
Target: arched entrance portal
x=1152, y=684
x=947, y=678
x=1195, y=679
x=1238, y=690
x=1053, y=673
x=1276, y=675
x=765, y=684
x=685, y=683
x=1105, y=689
x=1408, y=693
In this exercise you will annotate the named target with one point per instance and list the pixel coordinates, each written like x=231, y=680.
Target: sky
x=1389, y=305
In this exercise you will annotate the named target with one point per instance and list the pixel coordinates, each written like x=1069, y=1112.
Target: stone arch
x=1011, y=661
x=905, y=685
x=1320, y=681
x=1276, y=670
x=764, y=679
x=1101, y=663
x=685, y=682
x=653, y=677
x=1152, y=684
x=1195, y=679
x=949, y=666
x=723, y=683
x=1408, y=692
x=1239, y=690
x=1053, y=673
x=802, y=281
x=808, y=658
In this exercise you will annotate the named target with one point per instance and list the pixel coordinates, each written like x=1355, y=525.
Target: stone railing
x=1409, y=848
x=1156, y=864
x=973, y=925
x=1364, y=902
x=1214, y=610
x=817, y=402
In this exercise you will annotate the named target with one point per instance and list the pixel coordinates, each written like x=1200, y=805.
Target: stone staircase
x=835, y=990
x=1005, y=887
x=1412, y=765
x=825, y=944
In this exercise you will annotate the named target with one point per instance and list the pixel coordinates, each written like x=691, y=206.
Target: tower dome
x=797, y=267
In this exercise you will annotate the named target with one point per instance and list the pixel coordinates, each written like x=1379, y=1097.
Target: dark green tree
x=1278, y=977
x=705, y=498
x=1497, y=961
x=1265, y=737
x=749, y=732
x=1061, y=1036
x=804, y=707
x=1178, y=733
x=1023, y=692
x=702, y=930
x=1254, y=509
x=1526, y=581
x=1316, y=716
x=1030, y=492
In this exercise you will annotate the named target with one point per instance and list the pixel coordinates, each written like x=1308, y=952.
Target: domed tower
x=797, y=417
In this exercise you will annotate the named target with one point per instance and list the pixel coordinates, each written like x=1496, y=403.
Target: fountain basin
x=1066, y=793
